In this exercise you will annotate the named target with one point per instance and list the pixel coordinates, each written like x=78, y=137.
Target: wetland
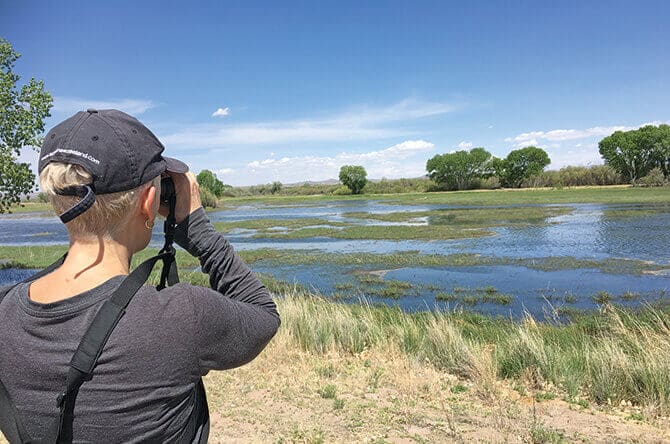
x=507, y=253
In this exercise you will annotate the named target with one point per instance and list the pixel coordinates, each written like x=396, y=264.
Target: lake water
x=591, y=231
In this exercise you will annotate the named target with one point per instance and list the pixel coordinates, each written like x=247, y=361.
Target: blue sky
x=302, y=88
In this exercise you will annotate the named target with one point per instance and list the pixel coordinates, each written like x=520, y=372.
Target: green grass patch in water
x=267, y=226
x=471, y=217
x=601, y=194
x=379, y=232
x=477, y=296
x=42, y=256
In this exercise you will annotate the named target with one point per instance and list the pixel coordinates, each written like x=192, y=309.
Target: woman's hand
x=188, y=195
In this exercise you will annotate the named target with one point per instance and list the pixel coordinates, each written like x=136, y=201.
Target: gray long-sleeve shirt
x=143, y=386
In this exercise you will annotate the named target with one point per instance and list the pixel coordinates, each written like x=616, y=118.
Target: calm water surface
x=588, y=232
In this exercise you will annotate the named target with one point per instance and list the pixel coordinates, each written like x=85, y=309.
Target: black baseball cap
x=115, y=148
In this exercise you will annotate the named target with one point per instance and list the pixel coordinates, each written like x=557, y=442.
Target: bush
x=573, y=176
x=354, y=177
x=655, y=178
x=342, y=191
x=490, y=183
x=275, y=187
x=208, y=198
x=387, y=186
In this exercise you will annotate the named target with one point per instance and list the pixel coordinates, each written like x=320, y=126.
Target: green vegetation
x=608, y=357
x=439, y=224
x=266, y=226
x=635, y=153
x=471, y=297
x=353, y=177
x=624, y=213
x=459, y=170
x=576, y=176
x=21, y=123
x=41, y=256
x=208, y=181
x=604, y=194
x=208, y=199
x=373, y=285
x=520, y=165
x=31, y=207
x=379, y=232
x=471, y=217
x=328, y=391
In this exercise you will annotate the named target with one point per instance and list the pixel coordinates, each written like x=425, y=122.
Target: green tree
x=662, y=149
x=628, y=152
x=459, y=170
x=22, y=114
x=275, y=187
x=354, y=177
x=207, y=179
x=520, y=165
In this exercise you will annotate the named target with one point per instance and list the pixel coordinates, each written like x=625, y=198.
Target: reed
x=616, y=355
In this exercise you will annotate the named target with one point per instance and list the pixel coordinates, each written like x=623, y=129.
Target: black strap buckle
x=60, y=400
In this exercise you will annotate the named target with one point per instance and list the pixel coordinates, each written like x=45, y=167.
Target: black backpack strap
x=90, y=347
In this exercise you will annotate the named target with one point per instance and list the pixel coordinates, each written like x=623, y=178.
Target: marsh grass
x=476, y=296
x=613, y=356
x=41, y=256
x=265, y=226
x=379, y=232
x=472, y=217
x=587, y=194
x=625, y=213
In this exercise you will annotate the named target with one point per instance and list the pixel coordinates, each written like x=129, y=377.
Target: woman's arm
x=236, y=318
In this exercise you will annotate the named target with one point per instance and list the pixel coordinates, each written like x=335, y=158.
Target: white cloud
x=406, y=159
x=221, y=112
x=558, y=135
x=465, y=145
x=583, y=155
x=70, y=105
x=224, y=171
x=358, y=123
x=568, y=153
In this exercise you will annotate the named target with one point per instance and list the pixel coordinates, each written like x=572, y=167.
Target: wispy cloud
x=70, y=105
x=221, y=112
x=561, y=147
x=358, y=123
x=465, y=145
x=559, y=135
x=406, y=159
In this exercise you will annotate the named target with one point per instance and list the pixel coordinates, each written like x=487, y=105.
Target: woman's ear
x=149, y=203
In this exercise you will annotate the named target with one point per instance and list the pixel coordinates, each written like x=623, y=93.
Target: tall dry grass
x=608, y=357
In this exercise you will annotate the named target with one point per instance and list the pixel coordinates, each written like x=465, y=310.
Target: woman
x=102, y=171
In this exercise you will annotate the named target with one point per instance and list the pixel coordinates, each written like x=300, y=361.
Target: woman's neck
x=101, y=257
x=87, y=265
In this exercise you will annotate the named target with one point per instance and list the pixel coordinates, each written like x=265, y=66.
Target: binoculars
x=167, y=191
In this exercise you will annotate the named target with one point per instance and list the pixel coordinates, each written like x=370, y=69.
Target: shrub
x=208, y=198
x=654, y=178
x=342, y=191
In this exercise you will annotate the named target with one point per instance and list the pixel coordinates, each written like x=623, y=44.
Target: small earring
x=146, y=224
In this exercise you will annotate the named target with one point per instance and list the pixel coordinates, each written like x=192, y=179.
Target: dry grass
x=383, y=395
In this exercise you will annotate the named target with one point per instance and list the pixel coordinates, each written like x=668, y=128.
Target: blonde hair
x=106, y=217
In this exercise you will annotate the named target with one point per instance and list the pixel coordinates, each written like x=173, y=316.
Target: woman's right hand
x=188, y=195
